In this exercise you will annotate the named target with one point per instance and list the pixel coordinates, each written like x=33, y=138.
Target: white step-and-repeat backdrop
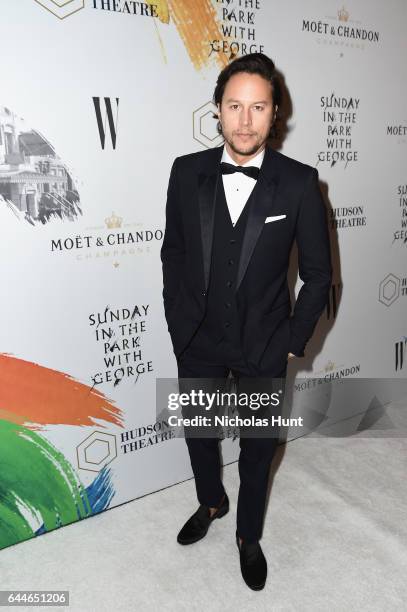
x=97, y=97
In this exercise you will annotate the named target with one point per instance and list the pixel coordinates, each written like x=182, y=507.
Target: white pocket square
x=275, y=218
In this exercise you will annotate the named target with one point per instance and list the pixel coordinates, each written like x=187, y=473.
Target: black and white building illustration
x=34, y=183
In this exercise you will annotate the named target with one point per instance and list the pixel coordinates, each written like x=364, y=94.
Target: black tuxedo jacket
x=285, y=187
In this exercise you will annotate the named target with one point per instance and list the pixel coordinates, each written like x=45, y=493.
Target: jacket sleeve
x=314, y=265
x=173, y=247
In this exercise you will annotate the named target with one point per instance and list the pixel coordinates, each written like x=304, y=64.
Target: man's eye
x=234, y=106
x=259, y=107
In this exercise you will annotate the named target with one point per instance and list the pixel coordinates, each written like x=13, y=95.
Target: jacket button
x=204, y=293
x=227, y=324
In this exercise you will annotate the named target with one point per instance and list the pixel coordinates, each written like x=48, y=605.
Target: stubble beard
x=246, y=152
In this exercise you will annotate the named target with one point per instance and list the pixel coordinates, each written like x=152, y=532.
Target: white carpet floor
x=334, y=538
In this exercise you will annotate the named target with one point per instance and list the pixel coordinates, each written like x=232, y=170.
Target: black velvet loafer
x=253, y=564
x=198, y=524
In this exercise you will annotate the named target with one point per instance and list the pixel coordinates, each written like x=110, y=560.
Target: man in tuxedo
x=232, y=215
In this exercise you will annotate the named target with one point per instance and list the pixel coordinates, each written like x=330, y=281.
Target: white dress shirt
x=238, y=186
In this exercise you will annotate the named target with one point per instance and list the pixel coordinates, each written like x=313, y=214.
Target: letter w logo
x=102, y=124
x=400, y=353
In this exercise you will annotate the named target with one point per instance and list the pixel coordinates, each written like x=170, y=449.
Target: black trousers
x=204, y=359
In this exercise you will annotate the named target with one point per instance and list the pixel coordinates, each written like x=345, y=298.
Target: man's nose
x=245, y=116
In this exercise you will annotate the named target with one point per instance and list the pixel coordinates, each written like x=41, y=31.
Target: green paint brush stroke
x=35, y=474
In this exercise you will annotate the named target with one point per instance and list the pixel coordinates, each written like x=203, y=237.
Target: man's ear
x=218, y=107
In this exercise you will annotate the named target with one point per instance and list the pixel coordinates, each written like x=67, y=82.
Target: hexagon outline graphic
x=60, y=8
x=390, y=279
x=90, y=446
x=200, y=126
x=197, y=133
x=94, y=437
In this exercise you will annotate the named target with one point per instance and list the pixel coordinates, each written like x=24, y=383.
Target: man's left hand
x=290, y=355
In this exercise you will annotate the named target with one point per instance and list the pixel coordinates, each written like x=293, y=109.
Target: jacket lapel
x=260, y=207
x=207, y=186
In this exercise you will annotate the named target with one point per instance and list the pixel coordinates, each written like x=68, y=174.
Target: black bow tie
x=251, y=171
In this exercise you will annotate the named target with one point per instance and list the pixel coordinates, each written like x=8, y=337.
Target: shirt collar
x=257, y=160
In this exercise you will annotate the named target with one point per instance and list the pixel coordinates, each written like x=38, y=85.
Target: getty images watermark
x=217, y=407
x=254, y=407
x=210, y=402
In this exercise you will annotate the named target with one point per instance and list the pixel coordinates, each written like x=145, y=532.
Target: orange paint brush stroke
x=197, y=25
x=33, y=395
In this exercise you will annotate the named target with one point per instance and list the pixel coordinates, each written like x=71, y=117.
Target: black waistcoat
x=221, y=319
